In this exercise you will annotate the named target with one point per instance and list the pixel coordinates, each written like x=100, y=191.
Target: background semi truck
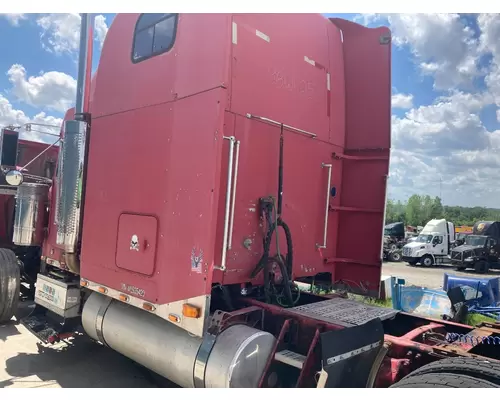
x=480, y=250
x=191, y=193
x=433, y=244
x=18, y=242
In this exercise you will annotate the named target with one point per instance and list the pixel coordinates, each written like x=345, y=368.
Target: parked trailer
x=203, y=135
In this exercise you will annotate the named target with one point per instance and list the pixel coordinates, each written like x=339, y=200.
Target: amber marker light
x=190, y=311
x=173, y=318
x=123, y=297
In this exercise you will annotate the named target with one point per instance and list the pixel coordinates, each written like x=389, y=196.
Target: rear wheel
x=441, y=380
x=395, y=256
x=427, y=261
x=481, y=267
x=10, y=282
x=471, y=367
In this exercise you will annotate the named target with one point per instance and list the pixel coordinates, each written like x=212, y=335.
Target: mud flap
x=348, y=355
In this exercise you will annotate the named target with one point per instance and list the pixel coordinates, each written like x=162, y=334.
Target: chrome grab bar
x=229, y=191
x=235, y=181
x=289, y=127
x=329, y=166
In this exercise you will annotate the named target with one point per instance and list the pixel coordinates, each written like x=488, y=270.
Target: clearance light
x=173, y=318
x=123, y=297
x=102, y=290
x=190, y=311
x=84, y=283
x=148, y=307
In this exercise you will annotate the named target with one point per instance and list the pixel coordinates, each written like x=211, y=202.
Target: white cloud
x=101, y=28
x=446, y=144
x=444, y=47
x=403, y=101
x=61, y=32
x=14, y=19
x=489, y=26
x=10, y=116
x=51, y=90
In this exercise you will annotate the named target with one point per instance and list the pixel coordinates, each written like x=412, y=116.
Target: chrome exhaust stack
x=71, y=163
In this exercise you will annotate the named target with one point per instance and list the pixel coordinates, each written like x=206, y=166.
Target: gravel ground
x=431, y=278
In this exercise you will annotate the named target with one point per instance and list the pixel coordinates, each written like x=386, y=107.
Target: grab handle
x=329, y=166
x=226, y=241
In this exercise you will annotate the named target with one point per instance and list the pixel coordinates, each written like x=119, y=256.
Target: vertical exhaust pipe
x=71, y=163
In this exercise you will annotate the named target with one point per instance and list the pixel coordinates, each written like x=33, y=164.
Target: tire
x=395, y=256
x=10, y=283
x=481, y=267
x=450, y=381
x=427, y=261
x=471, y=367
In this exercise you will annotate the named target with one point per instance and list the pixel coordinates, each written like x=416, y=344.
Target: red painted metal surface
x=138, y=256
x=157, y=148
x=391, y=371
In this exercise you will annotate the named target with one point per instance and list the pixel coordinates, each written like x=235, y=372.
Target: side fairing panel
x=365, y=162
x=168, y=175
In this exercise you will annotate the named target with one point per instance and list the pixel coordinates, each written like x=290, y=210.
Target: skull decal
x=134, y=243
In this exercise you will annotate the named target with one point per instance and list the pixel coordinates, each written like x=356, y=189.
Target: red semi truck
x=218, y=159
x=37, y=161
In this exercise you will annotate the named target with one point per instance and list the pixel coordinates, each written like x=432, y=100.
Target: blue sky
x=445, y=79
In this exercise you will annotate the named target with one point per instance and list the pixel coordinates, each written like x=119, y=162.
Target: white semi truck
x=433, y=244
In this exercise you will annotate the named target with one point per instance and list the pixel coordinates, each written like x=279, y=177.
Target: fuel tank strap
x=200, y=364
x=100, y=318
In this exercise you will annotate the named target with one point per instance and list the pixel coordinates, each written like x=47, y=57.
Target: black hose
x=267, y=206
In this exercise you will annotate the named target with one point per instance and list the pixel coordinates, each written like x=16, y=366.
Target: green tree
x=419, y=210
x=414, y=214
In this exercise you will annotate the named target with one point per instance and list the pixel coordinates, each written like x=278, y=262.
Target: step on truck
x=432, y=246
x=215, y=160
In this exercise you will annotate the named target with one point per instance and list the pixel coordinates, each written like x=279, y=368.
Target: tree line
x=418, y=210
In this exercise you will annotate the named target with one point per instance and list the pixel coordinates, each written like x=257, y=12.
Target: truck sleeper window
x=154, y=35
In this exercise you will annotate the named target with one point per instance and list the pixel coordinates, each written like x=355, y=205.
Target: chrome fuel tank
x=237, y=359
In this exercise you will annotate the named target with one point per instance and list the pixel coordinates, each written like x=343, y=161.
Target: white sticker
x=262, y=35
x=196, y=261
x=309, y=61
x=235, y=33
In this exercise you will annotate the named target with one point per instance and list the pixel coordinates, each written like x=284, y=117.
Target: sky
x=445, y=94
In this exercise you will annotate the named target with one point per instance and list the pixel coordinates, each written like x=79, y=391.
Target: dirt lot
x=24, y=363
x=428, y=277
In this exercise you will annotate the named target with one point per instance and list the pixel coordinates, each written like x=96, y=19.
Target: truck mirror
x=14, y=177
